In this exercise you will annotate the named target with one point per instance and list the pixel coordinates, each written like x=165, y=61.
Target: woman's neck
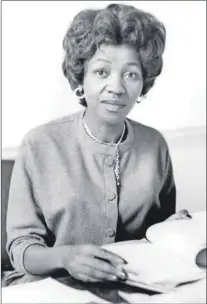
x=106, y=132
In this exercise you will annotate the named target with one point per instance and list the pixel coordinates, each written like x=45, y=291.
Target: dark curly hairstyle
x=116, y=24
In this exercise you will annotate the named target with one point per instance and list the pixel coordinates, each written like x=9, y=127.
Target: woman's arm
x=25, y=220
x=39, y=260
x=165, y=201
x=167, y=195
x=88, y=263
x=28, y=236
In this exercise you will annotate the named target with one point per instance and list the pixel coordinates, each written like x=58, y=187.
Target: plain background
x=35, y=91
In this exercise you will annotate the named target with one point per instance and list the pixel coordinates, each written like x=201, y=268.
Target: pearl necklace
x=117, y=152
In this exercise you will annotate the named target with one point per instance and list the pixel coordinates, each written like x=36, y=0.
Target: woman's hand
x=90, y=263
x=180, y=215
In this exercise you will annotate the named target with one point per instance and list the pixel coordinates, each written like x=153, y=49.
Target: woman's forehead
x=123, y=54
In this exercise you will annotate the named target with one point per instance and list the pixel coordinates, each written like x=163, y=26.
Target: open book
x=168, y=259
x=46, y=291
x=185, y=238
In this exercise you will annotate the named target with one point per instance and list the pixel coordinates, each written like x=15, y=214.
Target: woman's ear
x=79, y=92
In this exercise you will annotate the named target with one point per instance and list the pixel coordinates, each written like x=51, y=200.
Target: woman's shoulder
x=54, y=129
x=147, y=133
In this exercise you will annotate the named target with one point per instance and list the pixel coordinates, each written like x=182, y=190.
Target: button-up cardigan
x=63, y=187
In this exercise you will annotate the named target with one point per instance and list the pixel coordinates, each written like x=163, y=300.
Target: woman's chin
x=112, y=115
x=112, y=118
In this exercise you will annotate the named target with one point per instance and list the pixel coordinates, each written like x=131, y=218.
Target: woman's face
x=112, y=82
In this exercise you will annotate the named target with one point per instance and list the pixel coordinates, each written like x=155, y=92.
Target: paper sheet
x=190, y=293
x=153, y=265
x=47, y=291
x=185, y=238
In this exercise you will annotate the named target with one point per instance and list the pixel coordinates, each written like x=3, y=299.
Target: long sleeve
x=167, y=194
x=165, y=204
x=25, y=222
x=63, y=188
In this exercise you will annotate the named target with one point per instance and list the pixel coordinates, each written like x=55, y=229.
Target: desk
x=190, y=293
x=72, y=291
x=107, y=291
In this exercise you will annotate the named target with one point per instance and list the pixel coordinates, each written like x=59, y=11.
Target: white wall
x=34, y=89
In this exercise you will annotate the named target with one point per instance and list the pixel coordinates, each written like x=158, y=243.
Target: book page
x=154, y=265
x=184, y=238
x=47, y=291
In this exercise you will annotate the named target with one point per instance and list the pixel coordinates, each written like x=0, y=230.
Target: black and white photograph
x=103, y=167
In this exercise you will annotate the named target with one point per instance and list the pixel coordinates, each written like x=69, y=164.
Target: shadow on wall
x=188, y=152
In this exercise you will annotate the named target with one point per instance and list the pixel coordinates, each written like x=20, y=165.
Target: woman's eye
x=131, y=75
x=101, y=73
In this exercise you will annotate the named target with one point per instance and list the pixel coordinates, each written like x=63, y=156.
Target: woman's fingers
x=90, y=274
x=181, y=214
x=184, y=214
x=94, y=262
x=98, y=264
x=111, y=262
x=97, y=269
x=84, y=278
x=108, y=270
x=99, y=274
x=109, y=256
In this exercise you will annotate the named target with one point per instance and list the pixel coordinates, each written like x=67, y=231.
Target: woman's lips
x=113, y=106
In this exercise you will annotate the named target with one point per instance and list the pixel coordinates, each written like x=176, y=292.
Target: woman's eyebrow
x=103, y=60
x=132, y=63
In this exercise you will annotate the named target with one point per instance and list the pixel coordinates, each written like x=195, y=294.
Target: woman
x=94, y=177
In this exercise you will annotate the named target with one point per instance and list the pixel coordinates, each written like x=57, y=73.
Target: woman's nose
x=116, y=86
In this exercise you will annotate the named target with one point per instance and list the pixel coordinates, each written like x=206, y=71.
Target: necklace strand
x=116, y=145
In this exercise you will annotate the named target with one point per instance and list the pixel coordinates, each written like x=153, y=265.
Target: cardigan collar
x=95, y=146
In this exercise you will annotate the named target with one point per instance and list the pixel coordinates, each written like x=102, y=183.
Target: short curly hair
x=116, y=24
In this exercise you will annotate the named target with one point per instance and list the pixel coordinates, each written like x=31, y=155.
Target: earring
x=77, y=92
x=140, y=100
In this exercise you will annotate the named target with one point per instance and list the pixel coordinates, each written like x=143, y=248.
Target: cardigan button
x=109, y=161
x=110, y=232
